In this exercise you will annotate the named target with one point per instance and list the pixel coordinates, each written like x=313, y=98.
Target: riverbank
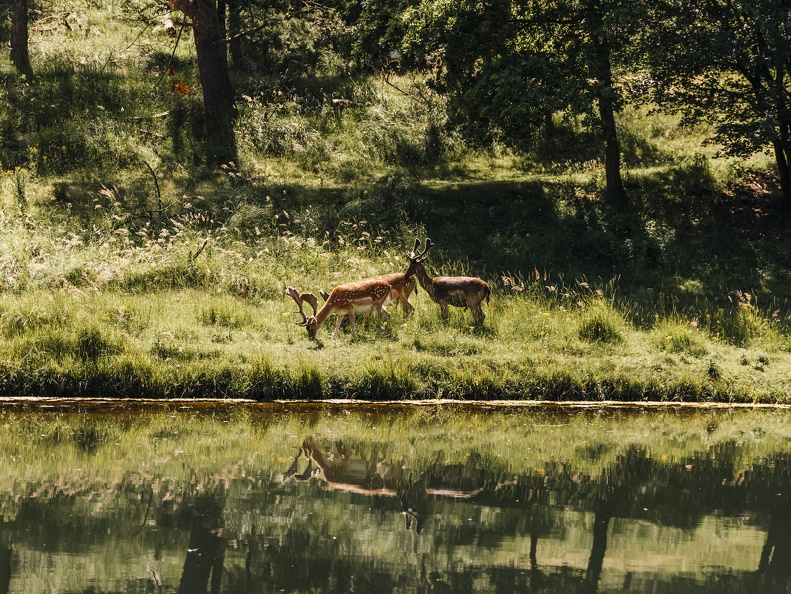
x=194, y=344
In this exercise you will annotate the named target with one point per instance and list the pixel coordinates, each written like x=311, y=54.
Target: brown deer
x=401, y=287
x=459, y=291
x=345, y=300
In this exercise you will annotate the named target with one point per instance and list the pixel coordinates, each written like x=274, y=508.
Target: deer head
x=415, y=259
x=300, y=298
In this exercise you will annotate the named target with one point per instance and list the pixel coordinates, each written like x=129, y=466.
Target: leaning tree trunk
x=213, y=66
x=782, y=147
x=19, y=38
x=612, y=153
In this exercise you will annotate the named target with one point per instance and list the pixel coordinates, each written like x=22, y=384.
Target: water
x=434, y=500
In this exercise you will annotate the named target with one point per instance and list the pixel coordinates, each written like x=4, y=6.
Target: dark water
x=336, y=508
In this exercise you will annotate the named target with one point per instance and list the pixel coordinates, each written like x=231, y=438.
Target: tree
x=728, y=64
x=508, y=64
x=218, y=100
x=19, y=38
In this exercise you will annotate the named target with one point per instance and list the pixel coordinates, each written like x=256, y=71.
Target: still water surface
x=441, y=499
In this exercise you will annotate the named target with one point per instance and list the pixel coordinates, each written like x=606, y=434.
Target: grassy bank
x=129, y=268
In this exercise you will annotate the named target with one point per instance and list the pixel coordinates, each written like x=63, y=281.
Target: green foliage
x=727, y=76
x=120, y=280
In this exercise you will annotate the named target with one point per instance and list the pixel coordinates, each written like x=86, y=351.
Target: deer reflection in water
x=374, y=475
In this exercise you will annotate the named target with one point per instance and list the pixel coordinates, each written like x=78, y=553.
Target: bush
x=91, y=345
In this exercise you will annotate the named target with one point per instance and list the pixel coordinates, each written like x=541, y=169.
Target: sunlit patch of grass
x=679, y=336
x=740, y=326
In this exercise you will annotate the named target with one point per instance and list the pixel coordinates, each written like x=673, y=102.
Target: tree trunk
x=601, y=524
x=612, y=153
x=204, y=559
x=602, y=68
x=783, y=171
x=782, y=149
x=213, y=66
x=19, y=38
x=6, y=553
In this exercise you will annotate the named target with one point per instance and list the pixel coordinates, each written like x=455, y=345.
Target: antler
x=411, y=255
x=423, y=255
x=300, y=298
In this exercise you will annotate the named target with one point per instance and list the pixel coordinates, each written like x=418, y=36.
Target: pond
x=200, y=498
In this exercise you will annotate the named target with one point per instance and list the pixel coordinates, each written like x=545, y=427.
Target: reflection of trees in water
x=636, y=486
x=5, y=562
x=283, y=548
x=205, y=553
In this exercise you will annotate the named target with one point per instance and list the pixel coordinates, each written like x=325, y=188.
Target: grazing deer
x=459, y=291
x=401, y=287
x=360, y=296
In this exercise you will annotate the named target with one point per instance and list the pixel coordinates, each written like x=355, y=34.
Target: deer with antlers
x=401, y=288
x=459, y=291
x=344, y=301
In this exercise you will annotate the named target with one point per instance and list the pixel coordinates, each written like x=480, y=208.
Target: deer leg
x=350, y=313
x=477, y=312
x=307, y=474
x=406, y=306
x=443, y=310
x=292, y=469
x=339, y=320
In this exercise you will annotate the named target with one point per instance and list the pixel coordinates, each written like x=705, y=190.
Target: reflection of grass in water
x=177, y=444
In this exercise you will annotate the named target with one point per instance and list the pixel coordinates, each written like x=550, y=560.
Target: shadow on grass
x=683, y=245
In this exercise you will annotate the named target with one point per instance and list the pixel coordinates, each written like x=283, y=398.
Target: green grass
x=118, y=282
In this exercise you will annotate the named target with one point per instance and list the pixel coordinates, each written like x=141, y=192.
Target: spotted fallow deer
x=401, y=288
x=360, y=296
x=459, y=291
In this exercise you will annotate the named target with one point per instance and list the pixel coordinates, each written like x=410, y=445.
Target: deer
x=344, y=301
x=459, y=291
x=401, y=287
